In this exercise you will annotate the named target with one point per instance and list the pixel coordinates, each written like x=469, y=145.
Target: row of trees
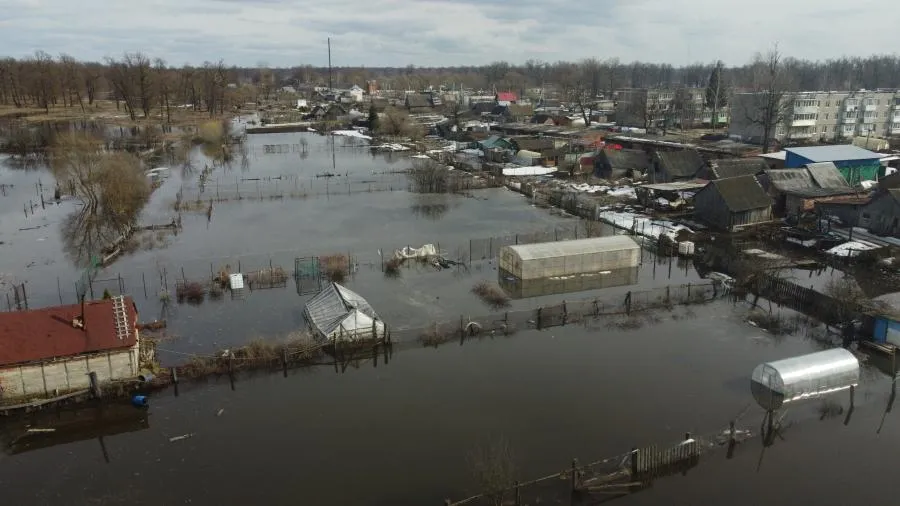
x=136, y=82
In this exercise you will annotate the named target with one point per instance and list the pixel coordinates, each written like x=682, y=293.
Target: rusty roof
x=48, y=333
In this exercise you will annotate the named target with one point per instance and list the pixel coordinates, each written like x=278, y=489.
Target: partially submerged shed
x=732, y=203
x=807, y=376
x=338, y=314
x=797, y=190
x=565, y=258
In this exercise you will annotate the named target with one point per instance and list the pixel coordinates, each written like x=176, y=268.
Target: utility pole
x=330, y=83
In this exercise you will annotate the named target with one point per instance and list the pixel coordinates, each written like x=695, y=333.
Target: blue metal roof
x=836, y=153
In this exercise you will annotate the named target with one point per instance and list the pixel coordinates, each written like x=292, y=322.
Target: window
x=826, y=116
x=870, y=101
x=827, y=103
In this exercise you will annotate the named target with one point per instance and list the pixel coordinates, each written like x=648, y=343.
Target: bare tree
x=771, y=83
x=164, y=86
x=72, y=79
x=716, y=92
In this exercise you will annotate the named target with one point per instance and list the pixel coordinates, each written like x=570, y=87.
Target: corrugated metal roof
x=741, y=193
x=47, y=333
x=331, y=307
x=574, y=247
x=827, y=175
x=838, y=153
x=790, y=179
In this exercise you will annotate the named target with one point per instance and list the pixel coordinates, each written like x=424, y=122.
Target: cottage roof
x=827, y=175
x=625, y=159
x=506, y=96
x=801, y=182
x=837, y=153
x=494, y=141
x=733, y=167
x=483, y=107
x=331, y=307
x=418, y=100
x=741, y=193
x=790, y=179
x=681, y=163
x=47, y=333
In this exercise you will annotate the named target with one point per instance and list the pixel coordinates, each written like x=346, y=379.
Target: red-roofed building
x=50, y=350
x=506, y=98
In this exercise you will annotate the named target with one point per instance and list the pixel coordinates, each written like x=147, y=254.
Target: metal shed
x=339, y=314
x=807, y=376
x=565, y=258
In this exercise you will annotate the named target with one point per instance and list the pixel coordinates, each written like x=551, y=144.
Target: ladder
x=123, y=329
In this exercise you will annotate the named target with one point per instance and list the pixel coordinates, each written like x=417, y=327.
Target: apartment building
x=820, y=115
x=658, y=107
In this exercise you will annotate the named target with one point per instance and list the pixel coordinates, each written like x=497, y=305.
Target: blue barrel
x=139, y=401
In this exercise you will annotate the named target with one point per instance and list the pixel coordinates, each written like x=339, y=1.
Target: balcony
x=870, y=108
x=868, y=119
x=802, y=134
x=809, y=109
x=895, y=130
x=803, y=123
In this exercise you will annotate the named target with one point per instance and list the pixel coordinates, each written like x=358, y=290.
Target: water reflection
x=525, y=288
x=430, y=206
x=85, y=234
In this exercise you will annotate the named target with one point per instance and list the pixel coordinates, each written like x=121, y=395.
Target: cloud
x=443, y=32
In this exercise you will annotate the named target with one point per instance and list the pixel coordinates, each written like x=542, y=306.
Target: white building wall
x=63, y=375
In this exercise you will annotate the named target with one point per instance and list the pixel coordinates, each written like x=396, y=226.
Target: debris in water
x=41, y=430
x=179, y=438
x=221, y=410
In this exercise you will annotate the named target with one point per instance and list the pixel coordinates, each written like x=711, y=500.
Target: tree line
x=137, y=83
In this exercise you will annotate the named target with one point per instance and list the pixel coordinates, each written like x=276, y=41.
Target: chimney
x=78, y=321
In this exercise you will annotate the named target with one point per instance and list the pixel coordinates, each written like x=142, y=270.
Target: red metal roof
x=47, y=333
x=507, y=96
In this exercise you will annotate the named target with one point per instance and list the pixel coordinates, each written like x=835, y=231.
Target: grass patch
x=491, y=294
x=435, y=336
x=392, y=268
x=335, y=267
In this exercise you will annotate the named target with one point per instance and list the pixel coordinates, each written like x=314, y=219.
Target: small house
x=55, y=349
x=796, y=191
x=883, y=213
x=855, y=164
x=681, y=165
x=849, y=209
x=514, y=113
x=339, y=315
x=506, y=98
x=733, y=203
x=538, y=144
x=495, y=142
x=612, y=164
x=418, y=102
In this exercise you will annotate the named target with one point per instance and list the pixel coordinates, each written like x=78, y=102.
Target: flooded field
x=402, y=433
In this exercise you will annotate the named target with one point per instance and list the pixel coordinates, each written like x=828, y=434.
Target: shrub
x=491, y=294
x=335, y=267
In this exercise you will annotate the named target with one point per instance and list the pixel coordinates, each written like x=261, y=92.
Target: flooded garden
x=414, y=425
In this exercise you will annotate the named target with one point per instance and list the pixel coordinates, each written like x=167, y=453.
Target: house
x=883, y=213
x=666, y=196
x=514, y=113
x=506, y=98
x=327, y=112
x=612, y=164
x=849, y=209
x=495, y=142
x=733, y=203
x=51, y=350
x=796, y=191
x=418, y=102
x=356, y=93
x=538, y=144
x=483, y=108
x=854, y=163
x=339, y=315
x=681, y=165
x=734, y=167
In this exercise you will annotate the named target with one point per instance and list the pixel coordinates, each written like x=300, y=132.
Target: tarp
x=408, y=252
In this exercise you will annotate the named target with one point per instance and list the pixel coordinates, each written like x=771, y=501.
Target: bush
x=191, y=291
x=335, y=267
x=392, y=268
x=491, y=294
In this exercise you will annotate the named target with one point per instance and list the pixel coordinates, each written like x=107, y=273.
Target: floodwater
x=401, y=433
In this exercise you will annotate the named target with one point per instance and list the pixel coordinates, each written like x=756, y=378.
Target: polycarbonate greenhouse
x=803, y=377
x=566, y=258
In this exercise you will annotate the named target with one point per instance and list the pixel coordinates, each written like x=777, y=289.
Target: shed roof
x=837, y=153
x=676, y=186
x=790, y=179
x=534, y=143
x=418, y=100
x=574, y=247
x=827, y=175
x=741, y=193
x=47, y=333
x=331, y=307
x=627, y=159
x=733, y=167
x=507, y=96
x=681, y=163
x=778, y=155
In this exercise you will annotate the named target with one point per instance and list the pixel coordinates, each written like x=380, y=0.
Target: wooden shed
x=733, y=203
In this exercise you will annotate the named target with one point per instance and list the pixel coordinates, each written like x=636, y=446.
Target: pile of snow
x=391, y=147
x=473, y=152
x=851, y=248
x=535, y=170
x=423, y=157
x=624, y=191
x=642, y=225
x=351, y=133
x=588, y=188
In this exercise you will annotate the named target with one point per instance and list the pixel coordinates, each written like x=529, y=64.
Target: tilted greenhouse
x=565, y=258
x=807, y=376
x=338, y=314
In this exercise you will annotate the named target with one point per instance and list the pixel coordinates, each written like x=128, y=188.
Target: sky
x=432, y=33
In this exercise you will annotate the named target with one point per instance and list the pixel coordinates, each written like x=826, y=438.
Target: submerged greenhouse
x=338, y=314
x=776, y=383
x=566, y=258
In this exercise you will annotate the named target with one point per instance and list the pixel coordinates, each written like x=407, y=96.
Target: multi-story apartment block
x=657, y=107
x=819, y=115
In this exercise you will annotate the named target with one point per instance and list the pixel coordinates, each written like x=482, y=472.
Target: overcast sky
x=447, y=32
